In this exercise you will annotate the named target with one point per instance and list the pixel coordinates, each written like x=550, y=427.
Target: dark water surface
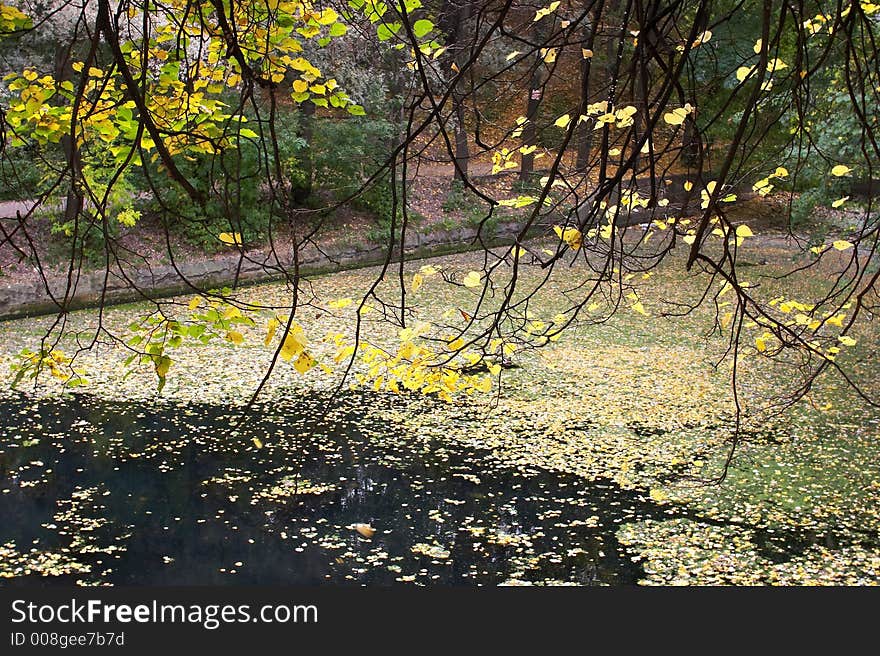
x=100, y=492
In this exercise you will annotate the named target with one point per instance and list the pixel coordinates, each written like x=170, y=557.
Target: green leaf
x=338, y=29
x=356, y=110
x=387, y=30
x=195, y=331
x=422, y=27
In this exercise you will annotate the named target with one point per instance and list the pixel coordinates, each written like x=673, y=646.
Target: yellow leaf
x=304, y=362
x=549, y=54
x=839, y=202
x=294, y=343
x=562, y=121
x=257, y=442
x=472, y=279
x=840, y=170
x=586, y=53
x=702, y=38
x=340, y=303
x=841, y=244
x=571, y=236
x=271, y=326
x=417, y=281
x=300, y=86
x=456, y=344
x=688, y=185
x=365, y=530
x=193, y=304
x=744, y=231
x=659, y=496
x=232, y=238
x=743, y=72
x=674, y=118
x=638, y=307
x=846, y=340
x=235, y=337
x=545, y=11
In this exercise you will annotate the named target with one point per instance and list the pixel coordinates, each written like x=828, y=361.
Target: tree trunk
x=584, y=129
x=73, y=205
x=529, y=133
x=690, y=136
x=300, y=194
x=454, y=16
x=536, y=94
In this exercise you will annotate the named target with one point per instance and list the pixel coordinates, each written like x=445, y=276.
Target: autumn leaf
x=472, y=279
x=365, y=530
x=304, y=362
x=231, y=238
x=293, y=344
x=658, y=496
x=546, y=11
x=271, y=326
x=562, y=121
x=571, y=236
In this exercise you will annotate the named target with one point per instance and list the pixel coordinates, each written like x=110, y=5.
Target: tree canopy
x=635, y=127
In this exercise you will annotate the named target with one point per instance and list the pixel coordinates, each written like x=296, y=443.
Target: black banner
x=135, y=620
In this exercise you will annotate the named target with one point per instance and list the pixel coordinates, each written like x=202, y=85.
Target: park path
x=9, y=209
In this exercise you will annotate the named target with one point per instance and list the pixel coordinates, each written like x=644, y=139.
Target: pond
x=99, y=492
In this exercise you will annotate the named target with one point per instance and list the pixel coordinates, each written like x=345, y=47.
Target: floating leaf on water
x=365, y=530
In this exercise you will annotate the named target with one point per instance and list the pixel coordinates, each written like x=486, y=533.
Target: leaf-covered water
x=99, y=492
x=594, y=463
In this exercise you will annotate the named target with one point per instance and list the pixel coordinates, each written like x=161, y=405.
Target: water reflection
x=122, y=494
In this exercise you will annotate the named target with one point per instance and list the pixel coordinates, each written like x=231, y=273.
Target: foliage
x=692, y=107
